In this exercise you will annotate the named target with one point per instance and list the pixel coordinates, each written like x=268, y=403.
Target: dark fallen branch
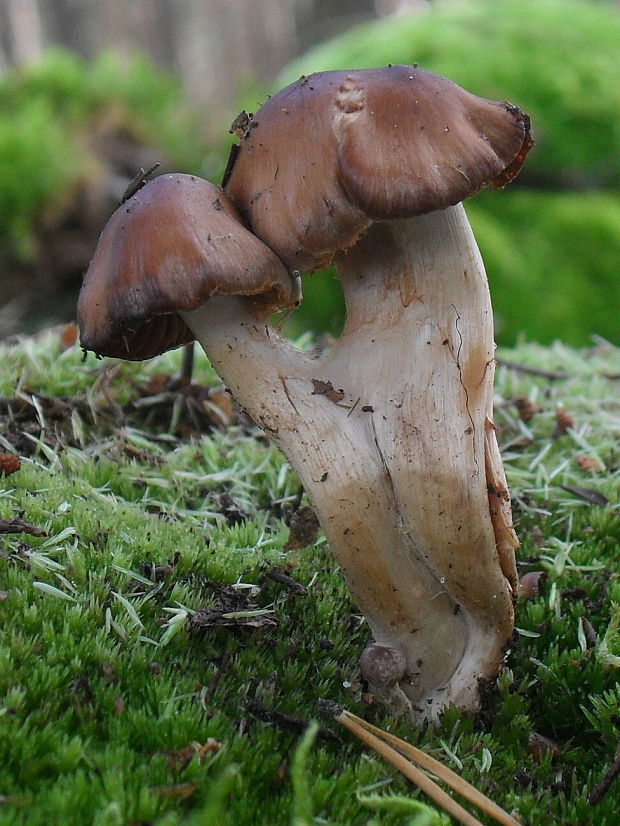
x=284, y=579
x=139, y=180
x=603, y=786
x=212, y=687
x=19, y=526
x=296, y=725
x=587, y=494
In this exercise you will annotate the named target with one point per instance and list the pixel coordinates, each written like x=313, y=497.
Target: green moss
x=100, y=704
x=551, y=260
x=51, y=116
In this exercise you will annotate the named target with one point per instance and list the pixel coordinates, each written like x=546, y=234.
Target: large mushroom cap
x=167, y=249
x=335, y=151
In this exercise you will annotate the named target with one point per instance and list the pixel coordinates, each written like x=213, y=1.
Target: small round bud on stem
x=382, y=665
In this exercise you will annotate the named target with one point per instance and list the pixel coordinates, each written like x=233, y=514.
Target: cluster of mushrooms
x=390, y=431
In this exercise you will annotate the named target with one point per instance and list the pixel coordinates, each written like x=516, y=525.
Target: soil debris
x=179, y=792
x=231, y=510
x=232, y=609
x=179, y=759
x=526, y=408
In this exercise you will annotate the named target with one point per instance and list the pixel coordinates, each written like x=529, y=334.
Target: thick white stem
x=390, y=434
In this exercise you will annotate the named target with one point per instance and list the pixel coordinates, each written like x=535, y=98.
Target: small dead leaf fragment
x=225, y=405
x=180, y=791
x=181, y=758
x=69, y=335
x=9, y=463
x=241, y=124
x=564, y=421
x=233, y=610
x=231, y=510
x=258, y=620
x=304, y=527
x=538, y=746
x=327, y=389
x=589, y=632
x=531, y=584
x=157, y=383
x=526, y=408
x=589, y=464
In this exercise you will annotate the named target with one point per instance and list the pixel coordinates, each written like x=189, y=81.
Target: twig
x=532, y=371
x=188, y=363
x=603, y=786
x=284, y=579
x=139, y=180
x=223, y=666
x=594, y=497
x=287, y=722
x=19, y=526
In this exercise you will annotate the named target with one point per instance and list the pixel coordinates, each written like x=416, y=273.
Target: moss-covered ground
x=163, y=639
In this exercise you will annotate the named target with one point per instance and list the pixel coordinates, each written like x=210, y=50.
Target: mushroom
x=391, y=431
x=168, y=249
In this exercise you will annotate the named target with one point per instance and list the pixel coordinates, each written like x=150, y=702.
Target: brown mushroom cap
x=335, y=151
x=167, y=249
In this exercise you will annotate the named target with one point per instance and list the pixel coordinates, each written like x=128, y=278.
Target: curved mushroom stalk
x=391, y=434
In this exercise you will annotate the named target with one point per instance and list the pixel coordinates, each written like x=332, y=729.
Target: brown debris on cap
x=167, y=249
x=337, y=150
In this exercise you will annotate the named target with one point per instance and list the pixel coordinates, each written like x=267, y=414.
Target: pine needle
x=404, y=756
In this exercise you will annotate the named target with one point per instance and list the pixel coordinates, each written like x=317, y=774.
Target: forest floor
x=171, y=618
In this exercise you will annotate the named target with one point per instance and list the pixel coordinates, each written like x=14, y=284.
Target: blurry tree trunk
x=217, y=46
x=22, y=39
x=224, y=46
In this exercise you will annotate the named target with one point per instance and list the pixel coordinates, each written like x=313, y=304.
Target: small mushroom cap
x=167, y=249
x=382, y=665
x=335, y=151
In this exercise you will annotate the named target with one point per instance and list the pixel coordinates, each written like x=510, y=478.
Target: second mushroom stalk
x=391, y=431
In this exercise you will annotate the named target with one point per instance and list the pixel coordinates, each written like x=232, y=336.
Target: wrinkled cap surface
x=167, y=249
x=335, y=151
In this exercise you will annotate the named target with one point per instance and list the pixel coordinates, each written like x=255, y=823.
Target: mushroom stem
x=391, y=434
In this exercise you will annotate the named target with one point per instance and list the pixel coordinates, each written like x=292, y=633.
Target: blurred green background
x=551, y=241
x=72, y=130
